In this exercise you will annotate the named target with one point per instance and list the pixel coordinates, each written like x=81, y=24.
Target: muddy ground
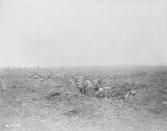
x=28, y=103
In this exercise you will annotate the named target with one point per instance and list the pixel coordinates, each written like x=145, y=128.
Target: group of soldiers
x=96, y=88
x=91, y=87
x=40, y=77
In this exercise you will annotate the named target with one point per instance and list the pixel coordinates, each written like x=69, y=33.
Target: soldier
x=107, y=91
x=131, y=92
x=100, y=93
x=79, y=85
x=3, y=88
x=87, y=84
x=97, y=83
x=88, y=87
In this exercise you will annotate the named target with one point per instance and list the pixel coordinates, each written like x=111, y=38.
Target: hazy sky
x=83, y=32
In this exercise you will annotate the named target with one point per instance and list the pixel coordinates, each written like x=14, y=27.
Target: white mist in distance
x=83, y=32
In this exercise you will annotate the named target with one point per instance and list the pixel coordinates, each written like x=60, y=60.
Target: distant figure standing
x=3, y=88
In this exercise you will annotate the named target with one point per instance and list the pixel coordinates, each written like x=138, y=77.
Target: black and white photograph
x=83, y=65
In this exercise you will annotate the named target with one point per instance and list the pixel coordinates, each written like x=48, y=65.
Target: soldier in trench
x=97, y=84
x=79, y=85
x=87, y=85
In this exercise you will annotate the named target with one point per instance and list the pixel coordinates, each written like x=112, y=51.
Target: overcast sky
x=83, y=32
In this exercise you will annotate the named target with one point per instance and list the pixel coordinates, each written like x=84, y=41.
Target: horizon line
x=85, y=66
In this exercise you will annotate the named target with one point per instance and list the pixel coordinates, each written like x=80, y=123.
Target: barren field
x=49, y=101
